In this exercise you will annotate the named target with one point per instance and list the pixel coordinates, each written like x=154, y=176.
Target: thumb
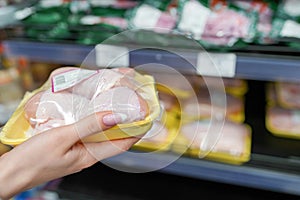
x=92, y=124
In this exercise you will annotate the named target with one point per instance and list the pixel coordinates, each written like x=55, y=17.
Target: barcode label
x=70, y=78
x=60, y=80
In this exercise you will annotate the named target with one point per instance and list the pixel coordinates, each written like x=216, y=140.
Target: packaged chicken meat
x=283, y=122
x=266, y=10
x=215, y=25
x=213, y=103
x=232, y=142
x=71, y=94
x=234, y=86
x=156, y=16
x=158, y=138
x=282, y=118
x=288, y=94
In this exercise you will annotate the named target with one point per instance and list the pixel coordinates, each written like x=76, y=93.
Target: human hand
x=58, y=152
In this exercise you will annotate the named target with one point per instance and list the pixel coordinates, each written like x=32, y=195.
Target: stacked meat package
x=171, y=93
x=283, y=109
x=71, y=94
x=213, y=125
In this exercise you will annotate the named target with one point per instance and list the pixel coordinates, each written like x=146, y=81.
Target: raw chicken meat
x=285, y=121
x=108, y=90
x=225, y=26
x=231, y=140
x=232, y=106
x=288, y=94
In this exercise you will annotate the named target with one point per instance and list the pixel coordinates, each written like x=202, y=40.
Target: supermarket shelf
x=252, y=66
x=246, y=175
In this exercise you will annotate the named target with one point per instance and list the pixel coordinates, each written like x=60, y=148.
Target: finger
x=103, y=150
x=92, y=124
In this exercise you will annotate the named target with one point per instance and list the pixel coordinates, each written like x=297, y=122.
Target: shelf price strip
x=111, y=56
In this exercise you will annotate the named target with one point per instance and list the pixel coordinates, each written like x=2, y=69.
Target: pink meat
x=289, y=94
x=118, y=99
x=102, y=81
x=226, y=24
x=204, y=105
x=165, y=23
x=55, y=109
x=108, y=90
x=265, y=13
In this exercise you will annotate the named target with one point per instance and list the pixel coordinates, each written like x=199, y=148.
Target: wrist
x=12, y=176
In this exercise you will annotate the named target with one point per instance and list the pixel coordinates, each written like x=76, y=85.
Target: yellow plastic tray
x=158, y=146
x=14, y=131
x=238, y=91
x=181, y=146
x=277, y=132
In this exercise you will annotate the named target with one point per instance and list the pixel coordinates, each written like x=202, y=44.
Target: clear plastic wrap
x=283, y=122
x=288, y=94
x=71, y=94
x=282, y=109
x=213, y=24
x=233, y=145
x=158, y=138
x=235, y=108
x=265, y=10
x=154, y=15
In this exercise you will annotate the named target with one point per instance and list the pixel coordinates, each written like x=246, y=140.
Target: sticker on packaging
x=216, y=64
x=111, y=56
x=70, y=78
x=194, y=18
x=290, y=29
x=51, y=3
x=146, y=17
x=292, y=7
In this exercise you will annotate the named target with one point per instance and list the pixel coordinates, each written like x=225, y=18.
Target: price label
x=216, y=64
x=111, y=56
x=70, y=78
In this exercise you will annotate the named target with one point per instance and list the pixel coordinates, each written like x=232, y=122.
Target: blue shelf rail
x=248, y=66
x=242, y=175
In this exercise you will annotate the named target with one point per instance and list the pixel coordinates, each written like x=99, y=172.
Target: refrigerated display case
x=274, y=161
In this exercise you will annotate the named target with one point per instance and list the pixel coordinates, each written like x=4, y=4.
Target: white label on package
x=146, y=17
x=111, y=56
x=102, y=3
x=90, y=20
x=70, y=78
x=216, y=64
x=291, y=7
x=50, y=3
x=194, y=18
x=290, y=29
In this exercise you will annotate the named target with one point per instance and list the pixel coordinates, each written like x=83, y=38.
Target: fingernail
x=114, y=118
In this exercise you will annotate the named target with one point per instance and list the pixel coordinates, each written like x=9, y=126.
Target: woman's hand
x=58, y=152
